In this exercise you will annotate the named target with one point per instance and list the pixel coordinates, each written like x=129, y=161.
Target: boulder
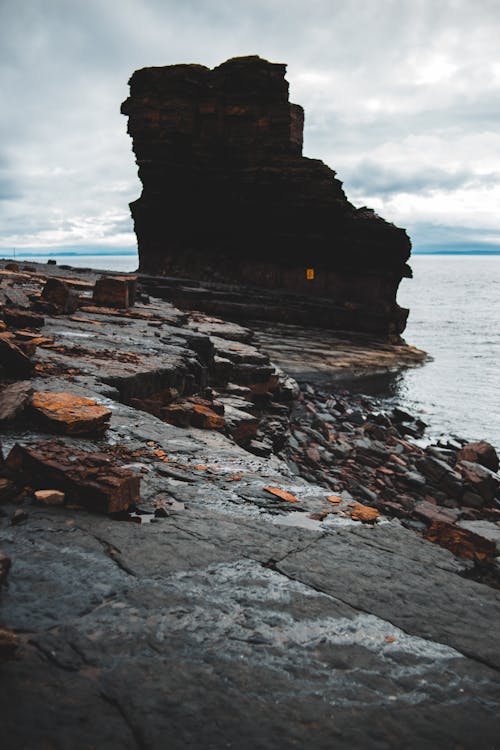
x=481, y=453
x=115, y=291
x=60, y=295
x=67, y=413
x=91, y=479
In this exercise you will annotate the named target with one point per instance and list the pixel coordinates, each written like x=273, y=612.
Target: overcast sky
x=402, y=99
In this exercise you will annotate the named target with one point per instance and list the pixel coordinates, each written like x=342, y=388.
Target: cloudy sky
x=402, y=99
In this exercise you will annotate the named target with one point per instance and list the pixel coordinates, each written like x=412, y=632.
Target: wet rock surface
x=238, y=601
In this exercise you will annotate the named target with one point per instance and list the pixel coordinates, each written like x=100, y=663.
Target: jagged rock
x=59, y=294
x=241, y=425
x=13, y=399
x=12, y=359
x=115, y=291
x=65, y=412
x=93, y=480
x=481, y=453
x=482, y=481
x=225, y=146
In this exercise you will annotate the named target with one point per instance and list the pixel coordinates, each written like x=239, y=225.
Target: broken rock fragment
x=480, y=453
x=93, y=480
x=50, y=497
x=13, y=360
x=115, y=291
x=13, y=399
x=67, y=413
x=58, y=293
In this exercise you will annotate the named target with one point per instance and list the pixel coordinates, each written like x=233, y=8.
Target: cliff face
x=228, y=197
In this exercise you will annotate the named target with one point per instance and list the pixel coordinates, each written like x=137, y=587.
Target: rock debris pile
x=361, y=451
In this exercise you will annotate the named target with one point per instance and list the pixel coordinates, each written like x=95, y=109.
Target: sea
x=454, y=303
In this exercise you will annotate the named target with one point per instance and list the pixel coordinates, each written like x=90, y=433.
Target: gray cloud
x=401, y=97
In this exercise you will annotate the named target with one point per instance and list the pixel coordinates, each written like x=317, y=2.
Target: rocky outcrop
x=228, y=197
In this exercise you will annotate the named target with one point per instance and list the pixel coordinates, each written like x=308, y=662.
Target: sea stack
x=228, y=198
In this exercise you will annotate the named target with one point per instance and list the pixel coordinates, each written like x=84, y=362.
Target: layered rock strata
x=228, y=197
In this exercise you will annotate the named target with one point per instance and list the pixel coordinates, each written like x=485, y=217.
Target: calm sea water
x=102, y=262
x=454, y=306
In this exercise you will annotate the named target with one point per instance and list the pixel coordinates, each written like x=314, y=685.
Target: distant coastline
x=21, y=254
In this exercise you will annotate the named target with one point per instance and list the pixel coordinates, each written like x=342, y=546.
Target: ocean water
x=454, y=306
x=124, y=263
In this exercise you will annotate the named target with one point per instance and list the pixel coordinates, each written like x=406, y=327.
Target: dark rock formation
x=228, y=197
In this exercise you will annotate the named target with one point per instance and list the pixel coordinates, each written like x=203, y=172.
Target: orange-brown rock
x=115, y=291
x=50, y=497
x=65, y=412
x=18, y=318
x=228, y=197
x=461, y=542
x=93, y=480
x=481, y=453
x=364, y=513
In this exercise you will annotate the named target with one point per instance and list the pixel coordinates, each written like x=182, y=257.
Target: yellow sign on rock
x=309, y=274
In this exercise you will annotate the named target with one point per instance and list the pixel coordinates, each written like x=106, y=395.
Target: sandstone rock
x=115, y=291
x=50, y=497
x=481, y=453
x=12, y=359
x=206, y=418
x=59, y=294
x=22, y=318
x=230, y=137
x=363, y=513
x=461, y=542
x=93, y=480
x=13, y=399
x=65, y=412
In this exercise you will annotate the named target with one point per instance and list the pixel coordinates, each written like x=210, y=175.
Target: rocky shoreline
x=278, y=560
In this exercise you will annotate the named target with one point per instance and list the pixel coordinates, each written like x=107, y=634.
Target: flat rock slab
x=93, y=480
x=67, y=413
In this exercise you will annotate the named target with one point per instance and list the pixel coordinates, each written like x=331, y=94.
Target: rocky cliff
x=228, y=197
